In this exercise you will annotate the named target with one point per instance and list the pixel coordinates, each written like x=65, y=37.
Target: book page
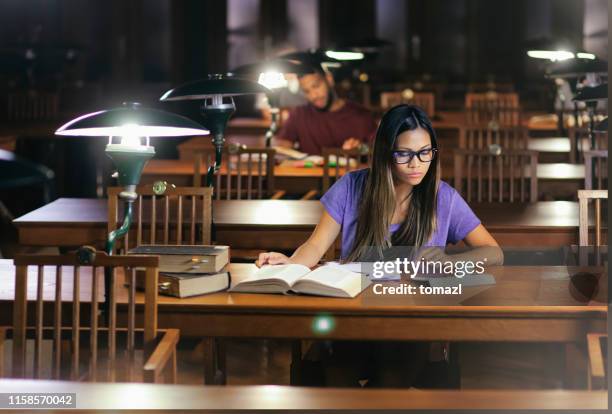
x=356, y=267
x=331, y=281
x=290, y=273
x=365, y=268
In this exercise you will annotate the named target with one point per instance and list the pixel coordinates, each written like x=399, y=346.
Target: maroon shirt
x=314, y=129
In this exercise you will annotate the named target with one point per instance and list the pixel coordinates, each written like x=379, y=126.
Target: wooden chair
x=176, y=215
x=481, y=137
x=595, y=162
x=580, y=142
x=424, y=100
x=508, y=176
x=246, y=173
x=341, y=162
x=159, y=347
x=598, y=361
x=583, y=205
x=482, y=108
x=490, y=86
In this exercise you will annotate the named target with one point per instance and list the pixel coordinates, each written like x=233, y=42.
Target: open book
x=324, y=281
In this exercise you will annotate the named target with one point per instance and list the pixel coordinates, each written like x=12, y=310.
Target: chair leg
x=221, y=361
x=295, y=375
x=174, y=368
x=575, y=367
x=209, y=360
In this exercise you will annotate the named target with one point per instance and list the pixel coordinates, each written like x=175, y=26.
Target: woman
x=399, y=201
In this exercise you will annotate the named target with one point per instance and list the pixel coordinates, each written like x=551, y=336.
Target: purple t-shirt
x=454, y=218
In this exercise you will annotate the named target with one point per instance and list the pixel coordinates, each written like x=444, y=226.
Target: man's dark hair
x=315, y=65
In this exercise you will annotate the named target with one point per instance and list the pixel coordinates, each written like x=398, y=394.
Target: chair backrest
x=481, y=137
x=246, y=173
x=87, y=278
x=490, y=86
x=584, y=196
x=481, y=108
x=595, y=169
x=32, y=106
x=337, y=162
x=581, y=142
x=164, y=214
x=425, y=100
x=508, y=176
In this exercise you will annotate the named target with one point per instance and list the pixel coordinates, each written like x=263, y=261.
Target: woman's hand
x=272, y=258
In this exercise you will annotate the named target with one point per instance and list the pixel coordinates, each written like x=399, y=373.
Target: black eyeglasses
x=406, y=156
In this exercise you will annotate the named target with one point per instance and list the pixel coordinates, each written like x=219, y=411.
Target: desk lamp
x=315, y=57
x=271, y=74
x=131, y=125
x=585, y=69
x=591, y=95
x=215, y=111
x=360, y=54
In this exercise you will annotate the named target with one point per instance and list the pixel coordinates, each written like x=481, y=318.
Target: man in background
x=326, y=120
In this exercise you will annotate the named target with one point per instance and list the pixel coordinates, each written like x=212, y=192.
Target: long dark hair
x=378, y=200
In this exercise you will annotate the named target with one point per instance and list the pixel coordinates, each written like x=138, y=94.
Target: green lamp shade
x=213, y=86
x=132, y=120
x=129, y=164
x=575, y=68
x=283, y=66
x=593, y=93
x=310, y=57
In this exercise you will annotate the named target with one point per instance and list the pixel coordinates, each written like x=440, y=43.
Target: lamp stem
x=116, y=234
x=271, y=132
x=112, y=237
x=218, y=141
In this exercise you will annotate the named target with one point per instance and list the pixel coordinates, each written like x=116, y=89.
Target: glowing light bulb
x=344, y=55
x=552, y=55
x=583, y=55
x=130, y=141
x=272, y=80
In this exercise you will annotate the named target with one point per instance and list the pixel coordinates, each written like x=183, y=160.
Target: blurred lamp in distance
x=271, y=74
x=552, y=55
x=217, y=92
x=344, y=55
x=272, y=80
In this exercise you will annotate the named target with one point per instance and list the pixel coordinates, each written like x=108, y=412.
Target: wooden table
x=559, y=179
x=527, y=304
x=91, y=396
x=285, y=224
x=443, y=120
x=551, y=149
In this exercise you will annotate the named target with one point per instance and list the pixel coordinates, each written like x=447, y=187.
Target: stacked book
x=186, y=270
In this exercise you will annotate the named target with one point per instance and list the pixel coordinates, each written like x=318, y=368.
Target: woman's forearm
x=490, y=255
x=307, y=254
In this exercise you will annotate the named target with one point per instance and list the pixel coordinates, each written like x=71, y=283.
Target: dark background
x=133, y=49
x=96, y=54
